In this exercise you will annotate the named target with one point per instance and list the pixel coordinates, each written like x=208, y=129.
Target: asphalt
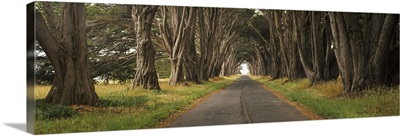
x=244, y=101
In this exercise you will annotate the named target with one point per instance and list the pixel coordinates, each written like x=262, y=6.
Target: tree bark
x=294, y=66
x=275, y=65
x=190, y=61
x=279, y=31
x=177, y=34
x=146, y=75
x=342, y=50
x=67, y=52
x=208, y=25
x=380, y=72
x=362, y=57
x=314, y=47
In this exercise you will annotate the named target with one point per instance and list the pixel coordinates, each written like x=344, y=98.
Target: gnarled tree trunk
x=67, y=52
x=362, y=49
x=176, y=32
x=146, y=75
x=190, y=58
x=275, y=65
x=313, y=41
x=208, y=20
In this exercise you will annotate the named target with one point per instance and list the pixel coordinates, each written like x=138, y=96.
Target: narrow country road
x=244, y=101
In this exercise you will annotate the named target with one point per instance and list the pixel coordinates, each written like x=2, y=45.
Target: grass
x=122, y=107
x=324, y=98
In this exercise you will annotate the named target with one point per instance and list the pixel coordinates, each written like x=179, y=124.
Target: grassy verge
x=324, y=99
x=123, y=107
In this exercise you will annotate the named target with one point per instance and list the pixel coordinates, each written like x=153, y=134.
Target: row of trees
x=200, y=43
x=83, y=41
x=363, y=48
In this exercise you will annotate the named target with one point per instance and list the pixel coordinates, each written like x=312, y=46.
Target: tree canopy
x=193, y=44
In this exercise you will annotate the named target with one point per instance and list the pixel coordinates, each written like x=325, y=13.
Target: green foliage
x=96, y=11
x=323, y=99
x=45, y=111
x=163, y=67
x=55, y=5
x=124, y=101
x=44, y=71
x=132, y=108
x=111, y=42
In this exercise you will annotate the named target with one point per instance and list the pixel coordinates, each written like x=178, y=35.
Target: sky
x=245, y=69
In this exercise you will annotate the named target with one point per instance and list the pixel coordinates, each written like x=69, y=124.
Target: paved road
x=244, y=101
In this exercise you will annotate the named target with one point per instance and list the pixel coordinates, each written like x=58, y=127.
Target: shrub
x=53, y=111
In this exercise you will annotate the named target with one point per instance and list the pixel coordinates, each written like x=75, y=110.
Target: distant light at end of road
x=245, y=69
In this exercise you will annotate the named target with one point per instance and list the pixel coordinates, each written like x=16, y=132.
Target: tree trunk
x=275, y=64
x=394, y=59
x=201, y=59
x=176, y=31
x=208, y=26
x=342, y=50
x=176, y=72
x=67, y=52
x=314, y=47
x=362, y=57
x=230, y=64
x=279, y=31
x=146, y=75
x=380, y=61
x=295, y=69
x=191, y=69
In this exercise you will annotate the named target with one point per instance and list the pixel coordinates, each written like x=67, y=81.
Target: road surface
x=244, y=101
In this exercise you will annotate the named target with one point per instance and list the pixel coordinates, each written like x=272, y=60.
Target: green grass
x=324, y=99
x=122, y=107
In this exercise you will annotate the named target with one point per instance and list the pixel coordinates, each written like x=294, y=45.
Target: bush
x=53, y=111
